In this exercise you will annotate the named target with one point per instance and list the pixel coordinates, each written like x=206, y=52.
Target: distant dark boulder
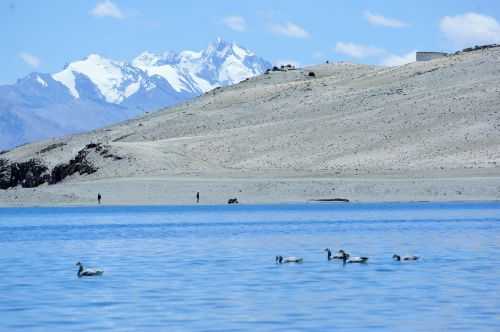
x=342, y=200
x=311, y=74
x=233, y=201
x=92, y=146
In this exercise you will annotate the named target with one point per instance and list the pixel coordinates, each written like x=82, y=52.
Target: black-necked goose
x=82, y=272
x=291, y=259
x=404, y=258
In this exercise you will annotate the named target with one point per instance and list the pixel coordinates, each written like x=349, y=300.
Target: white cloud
x=289, y=29
x=470, y=29
x=393, y=60
x=376, y=19
x=107, y=8
x=357, y=50
x=236, y=23
x=30, y=59
x=363, y=51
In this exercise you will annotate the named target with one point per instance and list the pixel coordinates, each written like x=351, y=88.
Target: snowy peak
x=222, y=49
x=164, y=66
x=219, y=48
x=116, y=80
x=221, y=63
x=146, y=59
x=226, y=63
x=151, y=59
x=188, y=72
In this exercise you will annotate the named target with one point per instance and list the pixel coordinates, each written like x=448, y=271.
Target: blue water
x=211, y=268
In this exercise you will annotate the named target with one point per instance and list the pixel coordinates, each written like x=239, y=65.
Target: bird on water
x=83, y=272
x=347, y=258
x=404, y=258
x=339, y=255
x=291, y=259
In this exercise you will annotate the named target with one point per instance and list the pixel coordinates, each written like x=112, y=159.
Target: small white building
x=428, y=56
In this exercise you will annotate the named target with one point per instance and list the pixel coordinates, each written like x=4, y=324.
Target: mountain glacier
x=97, y=91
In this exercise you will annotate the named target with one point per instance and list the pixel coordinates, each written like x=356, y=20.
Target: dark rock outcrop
x=103, y=151
x=32, y=173
x=52, y=147
x=480, y=47
x=4, y=174
x=28, y=174
x=79, y=165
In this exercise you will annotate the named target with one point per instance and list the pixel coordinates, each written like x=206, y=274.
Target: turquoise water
x=211, y=268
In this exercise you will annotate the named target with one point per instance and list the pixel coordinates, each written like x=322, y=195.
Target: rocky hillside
x=440, y=118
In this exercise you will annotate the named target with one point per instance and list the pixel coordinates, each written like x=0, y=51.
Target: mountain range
x=425, y=131
x=97, y=91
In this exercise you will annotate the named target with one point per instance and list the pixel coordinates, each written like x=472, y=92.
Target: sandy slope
x=424, y=131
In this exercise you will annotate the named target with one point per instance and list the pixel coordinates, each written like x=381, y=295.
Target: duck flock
x=345, y=257
x=341, y=255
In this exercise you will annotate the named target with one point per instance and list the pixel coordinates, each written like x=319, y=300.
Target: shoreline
x=71, y=206
x=172, y=191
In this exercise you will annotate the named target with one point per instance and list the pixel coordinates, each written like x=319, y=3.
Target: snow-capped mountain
x=220, y=64
x=116, y=80
x=97, y=91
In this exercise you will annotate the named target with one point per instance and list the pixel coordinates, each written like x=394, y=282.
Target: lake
x=212, y=268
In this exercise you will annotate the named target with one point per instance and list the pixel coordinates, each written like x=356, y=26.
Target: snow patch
x=203, y=84
x=190, y=55
x=67, y=78
x=146, y=59
x=41, y=81
x=240, y=52
x=234, y=71
x=131, y=89
x=169, y=73
x=105, y=74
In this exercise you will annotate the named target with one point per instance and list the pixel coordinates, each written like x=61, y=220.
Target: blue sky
x=44, y=35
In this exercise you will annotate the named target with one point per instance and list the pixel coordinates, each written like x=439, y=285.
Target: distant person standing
x=197, y=197
x=99, y=197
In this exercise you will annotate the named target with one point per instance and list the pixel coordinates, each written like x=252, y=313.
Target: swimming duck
x=404, y=258
x=347, y=258
x=339, y=255
x=88, y=272
x=284, y=260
